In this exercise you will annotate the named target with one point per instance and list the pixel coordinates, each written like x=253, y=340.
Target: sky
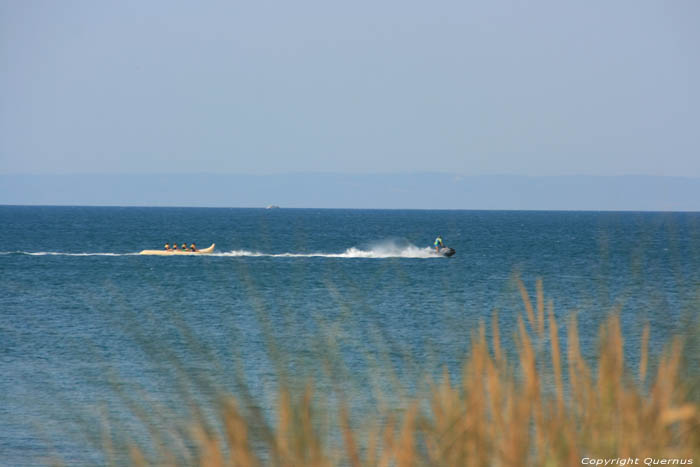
x=466, y=87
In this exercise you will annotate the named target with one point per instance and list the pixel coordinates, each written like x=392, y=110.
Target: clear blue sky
x=515, y=87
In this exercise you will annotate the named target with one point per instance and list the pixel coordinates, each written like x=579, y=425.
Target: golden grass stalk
x=526, y=302
x=556, y=356
x=540, y=307
x=644, y=354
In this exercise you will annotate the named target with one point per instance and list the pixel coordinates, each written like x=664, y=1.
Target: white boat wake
x=60, y=253
x=379, y=250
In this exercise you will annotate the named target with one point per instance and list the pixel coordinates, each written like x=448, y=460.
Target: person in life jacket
x=438, y=243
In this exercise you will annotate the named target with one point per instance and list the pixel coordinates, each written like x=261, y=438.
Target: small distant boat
x=272, y=206
x=203, y=251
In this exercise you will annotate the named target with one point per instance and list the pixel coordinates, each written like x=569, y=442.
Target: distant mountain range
x=381, y=191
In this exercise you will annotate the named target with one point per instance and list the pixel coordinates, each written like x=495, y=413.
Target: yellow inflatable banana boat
x=202, y=251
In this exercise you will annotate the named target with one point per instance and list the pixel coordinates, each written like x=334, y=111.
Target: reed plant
x=548, y=406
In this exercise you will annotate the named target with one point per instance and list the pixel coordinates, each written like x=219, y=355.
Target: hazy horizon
x=358, y=191
x=349, y=173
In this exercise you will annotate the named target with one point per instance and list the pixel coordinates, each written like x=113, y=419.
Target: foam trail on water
x=59, y=253
x=384, y=250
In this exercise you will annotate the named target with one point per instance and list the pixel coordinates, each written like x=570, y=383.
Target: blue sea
x=90, y=329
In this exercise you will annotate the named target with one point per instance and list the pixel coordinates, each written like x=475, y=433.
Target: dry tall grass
x=502, y=413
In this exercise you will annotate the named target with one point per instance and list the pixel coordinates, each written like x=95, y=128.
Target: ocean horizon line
x=350, y=191
x=310, y=208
